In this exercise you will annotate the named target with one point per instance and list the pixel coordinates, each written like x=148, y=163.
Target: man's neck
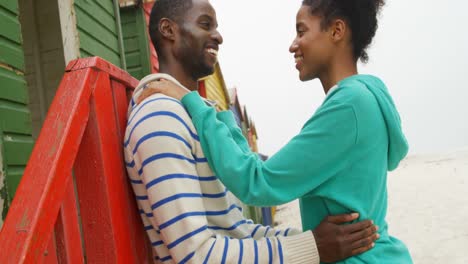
x=179, y=74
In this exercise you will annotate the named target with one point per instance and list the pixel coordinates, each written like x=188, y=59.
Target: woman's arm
x=227, y=118
x=308, y=160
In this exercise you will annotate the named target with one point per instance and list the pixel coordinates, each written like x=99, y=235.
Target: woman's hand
x=165, y=87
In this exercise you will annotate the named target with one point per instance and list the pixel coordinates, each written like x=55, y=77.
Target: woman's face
x=312, y=47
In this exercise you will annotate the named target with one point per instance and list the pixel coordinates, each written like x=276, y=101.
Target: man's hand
x=336, y=241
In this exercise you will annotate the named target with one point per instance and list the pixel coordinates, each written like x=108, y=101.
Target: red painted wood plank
x=96, y=217
x=136, y=228
x=122, y=201
x=50, y=255
x=67, y=230
x=101, y=185
x=100, y=64
x=202, y=88
x=121, y=102
x=31, y=218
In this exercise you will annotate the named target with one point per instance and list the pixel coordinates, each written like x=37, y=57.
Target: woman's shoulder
x=358, y=96
x=352, y=93
x=361, y=87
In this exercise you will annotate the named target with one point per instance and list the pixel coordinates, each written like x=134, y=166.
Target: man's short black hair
x=360, y=15
x=172, y=9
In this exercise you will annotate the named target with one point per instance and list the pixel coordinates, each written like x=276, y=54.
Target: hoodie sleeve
x=227, y=118
x=308, y=160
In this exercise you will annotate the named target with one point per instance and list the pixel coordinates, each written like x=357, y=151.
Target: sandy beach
x=428, y=207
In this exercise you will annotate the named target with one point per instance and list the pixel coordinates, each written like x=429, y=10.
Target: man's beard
x=195, y=63
x=198, y=68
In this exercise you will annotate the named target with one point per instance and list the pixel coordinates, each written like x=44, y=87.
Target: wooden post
x=67, y=230
x=70, y=36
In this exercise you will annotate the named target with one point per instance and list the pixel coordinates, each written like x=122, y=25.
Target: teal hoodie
x=337, y=164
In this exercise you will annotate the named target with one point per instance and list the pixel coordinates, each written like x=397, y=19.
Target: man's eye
x=205, y=25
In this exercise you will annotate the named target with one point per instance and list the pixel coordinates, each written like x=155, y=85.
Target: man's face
x=312, y=47
x=199, y=40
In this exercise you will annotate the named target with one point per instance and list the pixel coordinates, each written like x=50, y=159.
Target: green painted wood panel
x=131, y=44
x=10, y=5
x=108, y=6
x=4, y=201
x=98, y=15
x=93, y=28
x=16, y=142
x=84, y=53
x=96, y=24
x=133, y=60
x=136, y=43
x=14, y=177
x=11, y=53
x=13, y=87
x=15, y=118
x=92, y=47
x=10, y=25
x=19, y=148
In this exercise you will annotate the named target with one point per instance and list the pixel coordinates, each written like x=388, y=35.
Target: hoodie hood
x=398, y=145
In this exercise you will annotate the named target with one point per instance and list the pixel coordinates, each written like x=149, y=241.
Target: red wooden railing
x=74, y=203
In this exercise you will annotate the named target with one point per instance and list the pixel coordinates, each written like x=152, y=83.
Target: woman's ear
x=338, y=30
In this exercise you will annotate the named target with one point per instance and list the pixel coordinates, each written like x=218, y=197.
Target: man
x=187, y=212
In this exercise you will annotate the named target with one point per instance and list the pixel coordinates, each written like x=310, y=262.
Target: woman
x=339, y=161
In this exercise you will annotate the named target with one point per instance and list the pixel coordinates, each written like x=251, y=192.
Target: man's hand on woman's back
x=337, y=240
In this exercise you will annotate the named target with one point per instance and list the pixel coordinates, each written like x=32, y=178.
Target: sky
x=420, y=51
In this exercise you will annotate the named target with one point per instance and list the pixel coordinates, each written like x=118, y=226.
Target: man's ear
x=338, y=30
x=167, y=28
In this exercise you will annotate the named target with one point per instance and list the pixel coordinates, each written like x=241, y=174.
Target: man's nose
x=217, y=36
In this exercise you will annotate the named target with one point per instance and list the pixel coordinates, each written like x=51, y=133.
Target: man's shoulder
x=159, y=113
x=162, y=102
x=157, y=103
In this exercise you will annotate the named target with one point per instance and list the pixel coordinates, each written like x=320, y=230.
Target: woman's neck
x=338, y=70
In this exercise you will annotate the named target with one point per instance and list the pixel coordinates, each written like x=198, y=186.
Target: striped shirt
x=189, y=215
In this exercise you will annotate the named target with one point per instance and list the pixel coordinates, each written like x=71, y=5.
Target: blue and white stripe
x=188, y=217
